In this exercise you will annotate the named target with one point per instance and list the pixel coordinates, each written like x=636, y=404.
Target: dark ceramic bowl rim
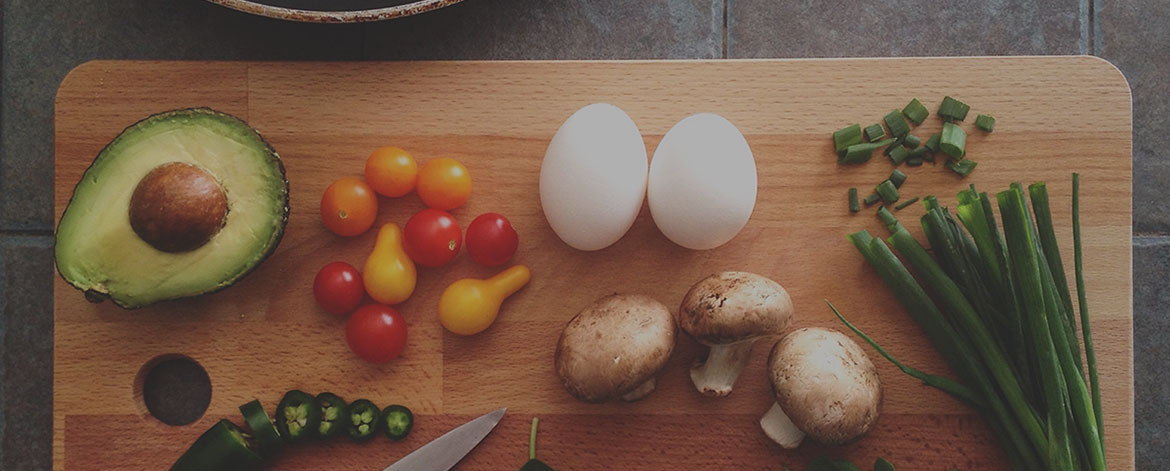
x=355, y=16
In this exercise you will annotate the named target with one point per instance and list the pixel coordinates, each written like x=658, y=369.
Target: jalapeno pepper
x=297, y=416
x=267, y=438
x=222, y=447
x=363, y=420
x=333, y=415
x=397, y=421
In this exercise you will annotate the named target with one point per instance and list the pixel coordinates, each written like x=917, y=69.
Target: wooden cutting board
x=1055, y=115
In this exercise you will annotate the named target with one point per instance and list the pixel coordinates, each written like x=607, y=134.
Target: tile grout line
x=725, y=28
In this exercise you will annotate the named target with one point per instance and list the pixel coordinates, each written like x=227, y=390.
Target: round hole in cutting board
x=174, y=389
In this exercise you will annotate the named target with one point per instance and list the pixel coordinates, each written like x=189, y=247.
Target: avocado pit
x=177, y=207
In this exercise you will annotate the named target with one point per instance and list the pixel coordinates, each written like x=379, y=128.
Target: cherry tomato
x=338, y=288
x=348, y=207
x=391, y=171
x=432, y=238
x=444, y=184
x=376, y=333
x=491, y=240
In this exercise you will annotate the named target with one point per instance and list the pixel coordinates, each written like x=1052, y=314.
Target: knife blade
x=442, y=453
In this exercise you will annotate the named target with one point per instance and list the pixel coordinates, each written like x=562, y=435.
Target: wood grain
x=1055, y=115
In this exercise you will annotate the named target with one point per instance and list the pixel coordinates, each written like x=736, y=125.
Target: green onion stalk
x=998, y=309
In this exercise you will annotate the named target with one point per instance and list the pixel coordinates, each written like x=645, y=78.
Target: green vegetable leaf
x=882, y=465
x=826, y=464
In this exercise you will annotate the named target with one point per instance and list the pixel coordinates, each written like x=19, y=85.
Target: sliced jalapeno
x=222, y=447
x=397, y=421
x=363, y=420
x=333, y=415
x=297, y=416
x=263, y=430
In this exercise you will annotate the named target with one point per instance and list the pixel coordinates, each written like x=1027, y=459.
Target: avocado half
x=180, y=204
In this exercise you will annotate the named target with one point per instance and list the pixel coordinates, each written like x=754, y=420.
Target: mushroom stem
x=641, y=391
x=716, y=375
x=780, y=428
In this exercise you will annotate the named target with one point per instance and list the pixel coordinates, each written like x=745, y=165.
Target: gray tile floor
x=43, y=40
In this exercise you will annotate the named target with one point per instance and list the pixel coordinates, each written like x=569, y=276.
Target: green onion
x=953, y=141
x=875, y=132
x=1086, y=329
x=847, y=136
x=861, y=153
x=933, y=142
x=915, y=112
x=952, y=110
x=963, y=167
x=912, y=142
x=897, y=124
x=914, y=161
x=985, y=122
x=1002, y=321
x=887, y=191
x=896, y=144
x=906, y=203
x=898, y=178
x=898, y=154
x=940, y=382
x=872, y=199
x=854, y=206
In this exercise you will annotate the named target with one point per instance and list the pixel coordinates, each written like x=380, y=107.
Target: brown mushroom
x=614, y=347
x=728, y=312
x=826, y=387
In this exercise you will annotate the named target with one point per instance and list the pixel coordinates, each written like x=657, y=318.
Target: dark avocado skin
x=97, y=296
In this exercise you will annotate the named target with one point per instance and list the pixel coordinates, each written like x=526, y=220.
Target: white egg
x=593, y=177
x=702, y=182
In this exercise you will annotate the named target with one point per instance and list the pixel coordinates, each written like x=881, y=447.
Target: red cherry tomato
x=376, y=333
x=491, y=240
x=338, y=288
x=432, y=238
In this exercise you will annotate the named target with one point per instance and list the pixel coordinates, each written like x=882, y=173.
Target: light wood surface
x=1055, y=115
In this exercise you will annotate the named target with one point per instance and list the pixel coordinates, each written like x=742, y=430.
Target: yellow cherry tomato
x=391, y=171
x=444, y=184
x=388, y=274
x=469, y=306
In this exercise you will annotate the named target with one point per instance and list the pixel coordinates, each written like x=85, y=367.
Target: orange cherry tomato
x=348, y=207
x=444, y=184
x=391, y=171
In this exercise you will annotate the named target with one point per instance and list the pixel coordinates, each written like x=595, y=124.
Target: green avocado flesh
x=97, y=250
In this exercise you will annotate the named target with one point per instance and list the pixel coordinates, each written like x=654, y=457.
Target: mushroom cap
x=613, y=346
x=734, y=306
x=826, y=384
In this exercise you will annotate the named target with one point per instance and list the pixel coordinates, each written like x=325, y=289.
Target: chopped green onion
x=932, y=142
x=845, y=137
x=889, y=219
x=861, y=153
x=912, y=141
x=985, y=122
x=897, y=124
x=899, y=154
x=953, y=110
x=906, y=203
x=953, y=141
x=887, y=191
x=897, y=143
x=918, y=152
x=898, y=178
x=871, y=199
x=915, y=112
x=854, y=206
x=914, y=161
x=875, y=132
x=962, y=167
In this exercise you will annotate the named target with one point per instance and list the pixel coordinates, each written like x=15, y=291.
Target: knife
x=442, y=453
